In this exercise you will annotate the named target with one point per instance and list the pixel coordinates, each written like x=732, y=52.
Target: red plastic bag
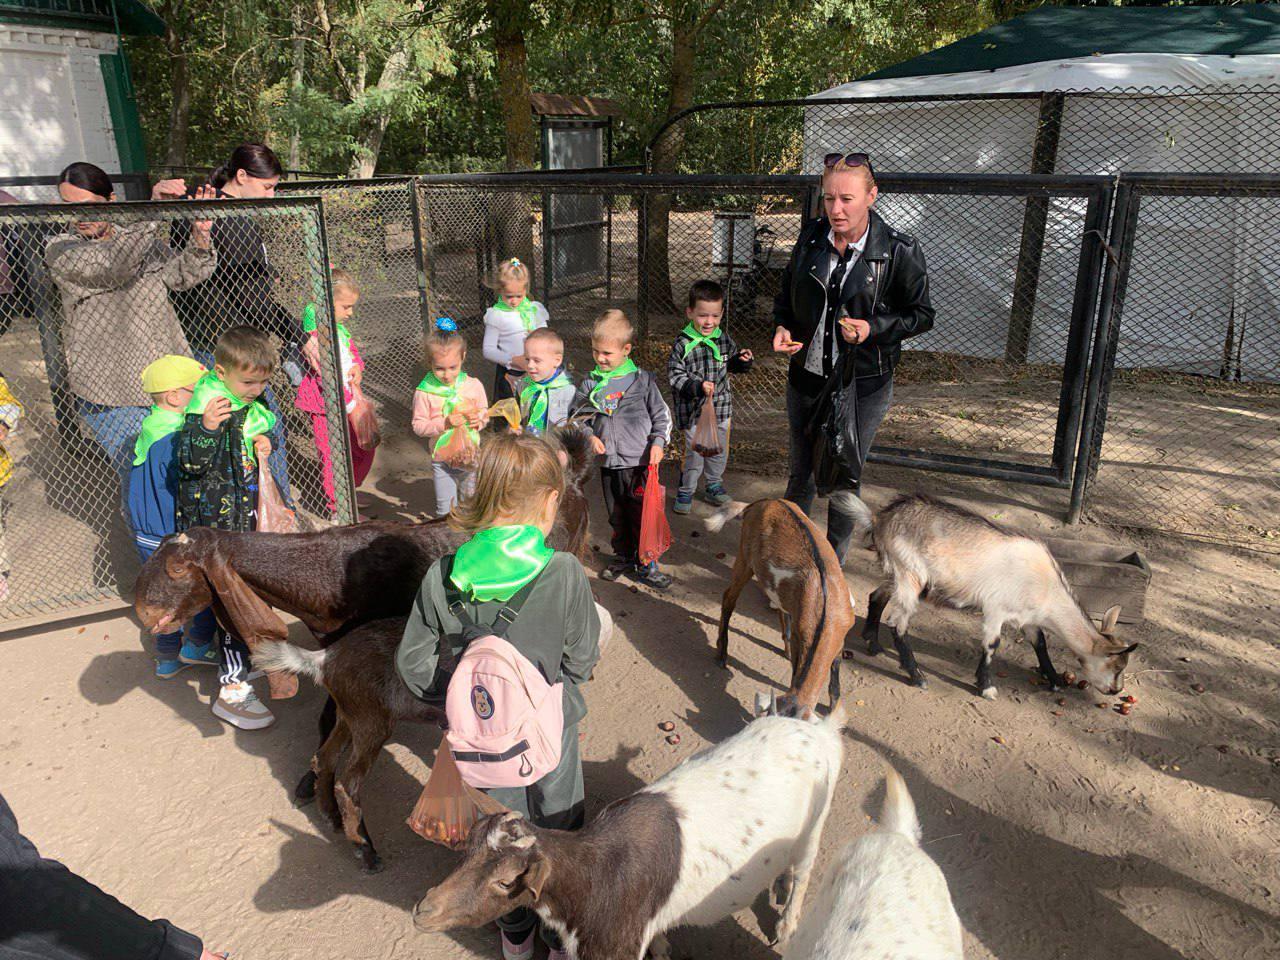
x=655, y=532
x=273, y=515
x=448, y=807
x=364, y=421
x=706, y=433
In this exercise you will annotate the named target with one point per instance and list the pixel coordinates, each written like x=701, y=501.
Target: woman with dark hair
x=241, y=290
x=854, y=289
x=114, y=281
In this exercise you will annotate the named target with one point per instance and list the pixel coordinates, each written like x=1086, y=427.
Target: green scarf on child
x=495, y=563
x=158, y=425
x=257, y=422
x=533, y=396
x=696, y=338
x=528, y=312
x=452, y=397
x=604, y=376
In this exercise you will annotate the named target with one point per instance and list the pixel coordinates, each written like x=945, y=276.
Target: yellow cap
x=169, y=373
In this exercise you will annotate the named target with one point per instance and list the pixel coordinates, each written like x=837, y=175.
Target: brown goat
x=332, y=580
x=799, y=573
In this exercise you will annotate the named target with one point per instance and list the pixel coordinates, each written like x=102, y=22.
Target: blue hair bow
x=446, y=324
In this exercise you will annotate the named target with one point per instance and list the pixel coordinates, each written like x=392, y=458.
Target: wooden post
x=1044, y=157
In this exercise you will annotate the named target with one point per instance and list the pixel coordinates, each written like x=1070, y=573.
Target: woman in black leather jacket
x=853, y=284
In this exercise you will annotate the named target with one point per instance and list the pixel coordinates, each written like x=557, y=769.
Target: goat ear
x=1109, y=621
x=251, y=619
x=1127, y=650
x=536, y=876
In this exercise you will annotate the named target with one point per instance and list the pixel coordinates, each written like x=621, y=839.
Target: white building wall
x=53, y=103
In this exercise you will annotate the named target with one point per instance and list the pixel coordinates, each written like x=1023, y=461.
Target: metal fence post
x=642, y=263
x=420, y=254
x=1106, y=338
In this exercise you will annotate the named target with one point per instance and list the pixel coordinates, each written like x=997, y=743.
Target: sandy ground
x=1083, y=834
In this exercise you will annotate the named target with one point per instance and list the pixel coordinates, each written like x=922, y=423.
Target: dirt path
x=1085, y=834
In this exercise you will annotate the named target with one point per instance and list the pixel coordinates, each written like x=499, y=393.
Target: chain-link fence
x=371, y=227
x=1185, y=403
x=91, y=294
x=1064, y=132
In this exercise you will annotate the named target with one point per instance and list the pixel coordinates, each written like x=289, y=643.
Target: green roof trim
x=135, y=18
x=1060, y=33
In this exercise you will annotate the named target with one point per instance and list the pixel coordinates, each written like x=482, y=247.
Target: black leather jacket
x=901, y=298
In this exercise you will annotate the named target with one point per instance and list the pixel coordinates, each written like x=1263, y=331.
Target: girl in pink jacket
x=449, y=408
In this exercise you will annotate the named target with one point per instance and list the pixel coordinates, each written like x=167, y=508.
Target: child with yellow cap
x=152, y=500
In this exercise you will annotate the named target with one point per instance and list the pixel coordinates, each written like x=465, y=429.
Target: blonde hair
x=547, y=335
x=246, y=348
x=613, y=325
x=515, y=475
x=511, y=272
x=341, y=279
x=861, y=169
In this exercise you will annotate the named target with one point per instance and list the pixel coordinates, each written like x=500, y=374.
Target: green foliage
x=442, y=109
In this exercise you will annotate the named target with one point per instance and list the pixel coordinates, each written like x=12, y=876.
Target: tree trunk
x=666, y=157
x=175, y=154
x=513, y=219
x=295, y=85
x=374, y=128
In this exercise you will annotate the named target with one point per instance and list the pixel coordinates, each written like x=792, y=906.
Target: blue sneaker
x=683, y=504
x=167, y=669
x=198, y=655
x=715, y=494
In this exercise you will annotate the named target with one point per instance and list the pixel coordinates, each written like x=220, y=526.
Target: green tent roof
x=134, y=17
x=1058, y=33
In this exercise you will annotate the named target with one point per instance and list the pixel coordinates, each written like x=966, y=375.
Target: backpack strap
x=458, y=606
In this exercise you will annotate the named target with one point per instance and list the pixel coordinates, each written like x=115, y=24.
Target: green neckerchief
x=533, y=395
x=528, y=312
x=452, y=397
x=257, y=422
x=496, y=563
x=696, y=338
x=158, y=425
x=309, y=326
x=602, y=378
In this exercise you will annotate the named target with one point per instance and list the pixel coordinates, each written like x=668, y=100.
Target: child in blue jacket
x=153, y=490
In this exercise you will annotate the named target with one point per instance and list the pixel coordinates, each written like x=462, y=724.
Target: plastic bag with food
x=706, y=432
x=273, y=515
x=448, y=807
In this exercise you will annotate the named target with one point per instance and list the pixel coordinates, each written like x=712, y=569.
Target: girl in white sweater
x=512, y=318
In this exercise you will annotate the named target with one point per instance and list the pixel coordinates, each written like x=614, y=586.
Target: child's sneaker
x=239, y=706
x=558, y=954
x=616, y=568
x=167, y=669
x=683, y=504
x=518, y=951
x=198, y=654
x=715, y=494
x=651, y=576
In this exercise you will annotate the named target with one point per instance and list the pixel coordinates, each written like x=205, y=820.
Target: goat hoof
x=920, y=682
x=874, y=649
x=305, y=791
x=370, y=862
x=988, y=693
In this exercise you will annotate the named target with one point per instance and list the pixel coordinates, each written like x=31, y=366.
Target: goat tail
x=277, y=656
x=715, y=523
x=898, y=814
x=863, y=518
x=576, y=443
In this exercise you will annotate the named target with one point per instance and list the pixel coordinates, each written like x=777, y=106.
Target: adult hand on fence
x=854, y=330
x=200, y=229
x=174, y=188
x=782, y=342
x=216, y=413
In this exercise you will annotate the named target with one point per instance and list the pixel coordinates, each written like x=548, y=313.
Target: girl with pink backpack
x=505, y=632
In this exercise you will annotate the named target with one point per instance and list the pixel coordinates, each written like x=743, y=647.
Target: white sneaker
x=239, y=706
x=519, y=951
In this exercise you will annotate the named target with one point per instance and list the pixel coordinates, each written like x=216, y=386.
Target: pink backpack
x=506, y=722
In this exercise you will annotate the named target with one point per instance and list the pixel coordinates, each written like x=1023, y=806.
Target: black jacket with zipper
x=900, y=296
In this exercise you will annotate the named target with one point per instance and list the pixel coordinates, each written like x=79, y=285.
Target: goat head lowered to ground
x=798, y=571
x=697, y=845
x=937, y=551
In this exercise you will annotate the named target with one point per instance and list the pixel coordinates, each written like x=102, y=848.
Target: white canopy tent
x=1164, y=112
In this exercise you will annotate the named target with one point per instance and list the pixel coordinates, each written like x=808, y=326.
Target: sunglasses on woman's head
x=850, y=160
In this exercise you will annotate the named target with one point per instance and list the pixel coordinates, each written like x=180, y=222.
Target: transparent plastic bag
x=448, y=807
x=460, y=450
x=509, y=410
x=273, y=515
x=364, y=421
x=706, y=432
x=655, y=532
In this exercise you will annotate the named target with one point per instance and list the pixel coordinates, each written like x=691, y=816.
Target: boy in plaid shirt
x=698, y=369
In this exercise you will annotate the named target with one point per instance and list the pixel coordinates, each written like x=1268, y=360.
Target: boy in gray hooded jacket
x=631, y=428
